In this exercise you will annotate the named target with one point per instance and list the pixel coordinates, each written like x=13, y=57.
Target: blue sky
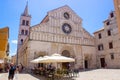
x=93, y=13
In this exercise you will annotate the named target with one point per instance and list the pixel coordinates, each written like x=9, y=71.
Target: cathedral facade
x=61, y=32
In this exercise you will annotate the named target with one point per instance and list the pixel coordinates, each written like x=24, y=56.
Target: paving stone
x=97, y=74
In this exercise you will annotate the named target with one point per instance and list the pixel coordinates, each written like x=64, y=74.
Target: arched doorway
x=86, y=64
x=66, y=65
x=37, y=55
x=86, y=59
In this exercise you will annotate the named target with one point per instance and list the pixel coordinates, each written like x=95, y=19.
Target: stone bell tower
x=24, y=27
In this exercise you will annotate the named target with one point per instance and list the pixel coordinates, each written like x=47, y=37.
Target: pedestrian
x=21, y=67
x=11, y=71
x=16, y=73
x=68, y=66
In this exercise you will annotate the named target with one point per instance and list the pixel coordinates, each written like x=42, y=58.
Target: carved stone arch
x=39, y=54
x=68, y=52
x=68, y=49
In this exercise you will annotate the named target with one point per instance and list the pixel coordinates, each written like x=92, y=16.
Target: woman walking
x=16, y=73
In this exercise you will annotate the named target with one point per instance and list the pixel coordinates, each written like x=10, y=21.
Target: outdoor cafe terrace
x=50, y=71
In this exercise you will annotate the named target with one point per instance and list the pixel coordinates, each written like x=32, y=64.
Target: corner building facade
x=60, y=32
x=107, y=42
x=4, y=46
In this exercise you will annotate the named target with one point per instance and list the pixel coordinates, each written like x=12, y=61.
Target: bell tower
x=24, y=26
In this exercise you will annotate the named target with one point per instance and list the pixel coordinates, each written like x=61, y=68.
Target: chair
x=76, y=72
x=59, y=74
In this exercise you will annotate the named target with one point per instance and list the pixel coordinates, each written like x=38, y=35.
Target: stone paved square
x=96, y=74
x=100, y=74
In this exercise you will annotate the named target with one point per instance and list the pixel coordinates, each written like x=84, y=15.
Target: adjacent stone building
x=13, y=59
x=107, y=43
x=4, y=46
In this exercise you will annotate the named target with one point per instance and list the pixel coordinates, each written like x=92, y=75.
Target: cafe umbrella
x=56, y=58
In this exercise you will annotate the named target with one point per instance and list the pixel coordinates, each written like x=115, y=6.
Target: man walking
x=11, y=71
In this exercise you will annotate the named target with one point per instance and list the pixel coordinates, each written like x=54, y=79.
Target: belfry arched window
x=27, y=23
x=21, y=41
x=22, y=32
x=26, y=32
x=23, y=22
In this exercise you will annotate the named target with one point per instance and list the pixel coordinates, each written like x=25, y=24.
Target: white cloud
x=12, y=54
x=14, y=41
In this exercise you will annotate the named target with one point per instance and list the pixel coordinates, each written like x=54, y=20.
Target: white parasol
x=56, y=58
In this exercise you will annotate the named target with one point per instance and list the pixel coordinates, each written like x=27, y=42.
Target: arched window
x=23, y=22
x=27, y=23
x=22, y=32
x=21, y=41
x=66, y=53
x=26, y=32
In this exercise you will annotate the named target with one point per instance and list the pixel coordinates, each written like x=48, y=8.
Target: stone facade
x=60, y=32
x=107, y=43
x=4, y=46
x=13, y=59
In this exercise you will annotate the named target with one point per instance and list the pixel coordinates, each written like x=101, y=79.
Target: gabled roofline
x=99, y=30
x=44, y=19
x=68, y=7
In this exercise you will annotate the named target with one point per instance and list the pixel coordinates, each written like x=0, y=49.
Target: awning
x=1, y=61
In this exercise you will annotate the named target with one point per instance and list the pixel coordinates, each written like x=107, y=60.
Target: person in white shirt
x=16, y=73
